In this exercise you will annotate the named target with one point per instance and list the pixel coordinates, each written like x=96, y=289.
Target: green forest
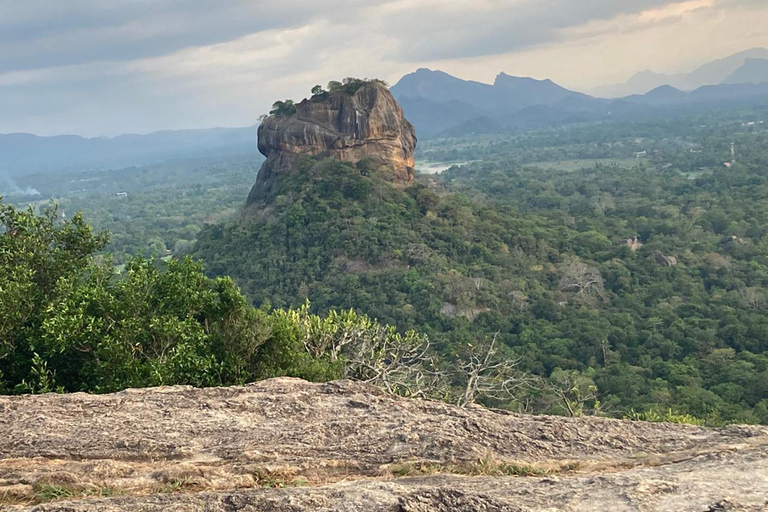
x=612, y=269
x=646, y=280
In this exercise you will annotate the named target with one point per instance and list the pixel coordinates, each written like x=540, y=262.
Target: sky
x=102, y=68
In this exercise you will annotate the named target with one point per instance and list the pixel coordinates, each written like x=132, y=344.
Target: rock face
x=289, y=445
x=350, y=127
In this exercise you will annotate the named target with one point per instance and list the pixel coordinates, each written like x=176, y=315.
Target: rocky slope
x=289, y=445
x=350, y=127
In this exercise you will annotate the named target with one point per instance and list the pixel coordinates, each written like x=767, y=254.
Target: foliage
x=70, y=323
x=285, y=108
x=164, y=207
x=318, y=92
x=667, y=416
x=351, y=85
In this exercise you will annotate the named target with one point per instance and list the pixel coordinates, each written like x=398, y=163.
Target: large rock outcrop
x=367, y=124
x=289, y=445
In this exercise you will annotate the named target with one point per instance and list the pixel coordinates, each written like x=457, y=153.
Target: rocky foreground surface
x=289, y=445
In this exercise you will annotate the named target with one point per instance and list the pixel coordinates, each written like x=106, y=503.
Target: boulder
x=664, y=261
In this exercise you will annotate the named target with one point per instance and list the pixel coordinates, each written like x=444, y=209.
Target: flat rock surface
x=286, y=444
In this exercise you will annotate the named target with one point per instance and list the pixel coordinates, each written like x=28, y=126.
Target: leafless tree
x=753, y=298
x=572, y=390
x=400, y=364
x=487, y=375
x=603, y=202
x=371, y=352
x=518, y=299
x=581, y=279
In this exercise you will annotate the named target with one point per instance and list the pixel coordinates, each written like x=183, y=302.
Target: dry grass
x=483, y=467
x=57, y=489
x=277, y=478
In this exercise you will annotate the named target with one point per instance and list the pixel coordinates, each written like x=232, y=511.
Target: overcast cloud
x=101, y=68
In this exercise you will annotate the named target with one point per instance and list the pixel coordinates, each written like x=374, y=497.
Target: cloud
x=434, y=29
x=95, y=67
x=42, y=33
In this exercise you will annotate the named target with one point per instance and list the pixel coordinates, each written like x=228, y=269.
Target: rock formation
x=664, y=261
x=366, y=124
x=633, y=243
x=289, y=445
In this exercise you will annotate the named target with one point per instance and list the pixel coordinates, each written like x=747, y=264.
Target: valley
x=485, y=248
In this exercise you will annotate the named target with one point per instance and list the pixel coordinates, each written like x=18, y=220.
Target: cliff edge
x=289, y=445
x=366, y=123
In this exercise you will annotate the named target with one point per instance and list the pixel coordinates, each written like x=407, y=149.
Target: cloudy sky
x=104, y=67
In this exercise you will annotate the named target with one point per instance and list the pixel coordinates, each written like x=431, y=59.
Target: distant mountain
x=440, y=87
x=523, y=92
x=22, y=153
x=730, y=92
x=439, y=104
x=666, y=100
x=639, y=84
x=436, y=102
x=753, y=71
x=714, y=72
x=661, y=95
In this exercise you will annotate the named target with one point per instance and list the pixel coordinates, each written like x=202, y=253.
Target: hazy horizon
x=140, y=67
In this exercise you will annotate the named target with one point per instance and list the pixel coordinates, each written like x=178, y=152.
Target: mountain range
x=22, y=153
x=727, y=70
x=435, y=101
x=439, y=104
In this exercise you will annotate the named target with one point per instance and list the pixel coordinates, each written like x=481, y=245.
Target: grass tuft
x=483, y=467
x=270, y=479
x=52, y=492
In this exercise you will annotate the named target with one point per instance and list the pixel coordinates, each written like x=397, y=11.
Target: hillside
x=285, y=444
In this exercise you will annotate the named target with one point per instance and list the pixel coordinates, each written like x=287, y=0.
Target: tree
x=36, y=254
x=486, y=375
x=572, y=390
x=67, y=321
x=580, y=279
x=402, y=364
x=285, y=108
x=317, y=90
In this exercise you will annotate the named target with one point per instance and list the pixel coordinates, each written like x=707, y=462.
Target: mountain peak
x=753, y=71
x=665, y=90
x=503, y=78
